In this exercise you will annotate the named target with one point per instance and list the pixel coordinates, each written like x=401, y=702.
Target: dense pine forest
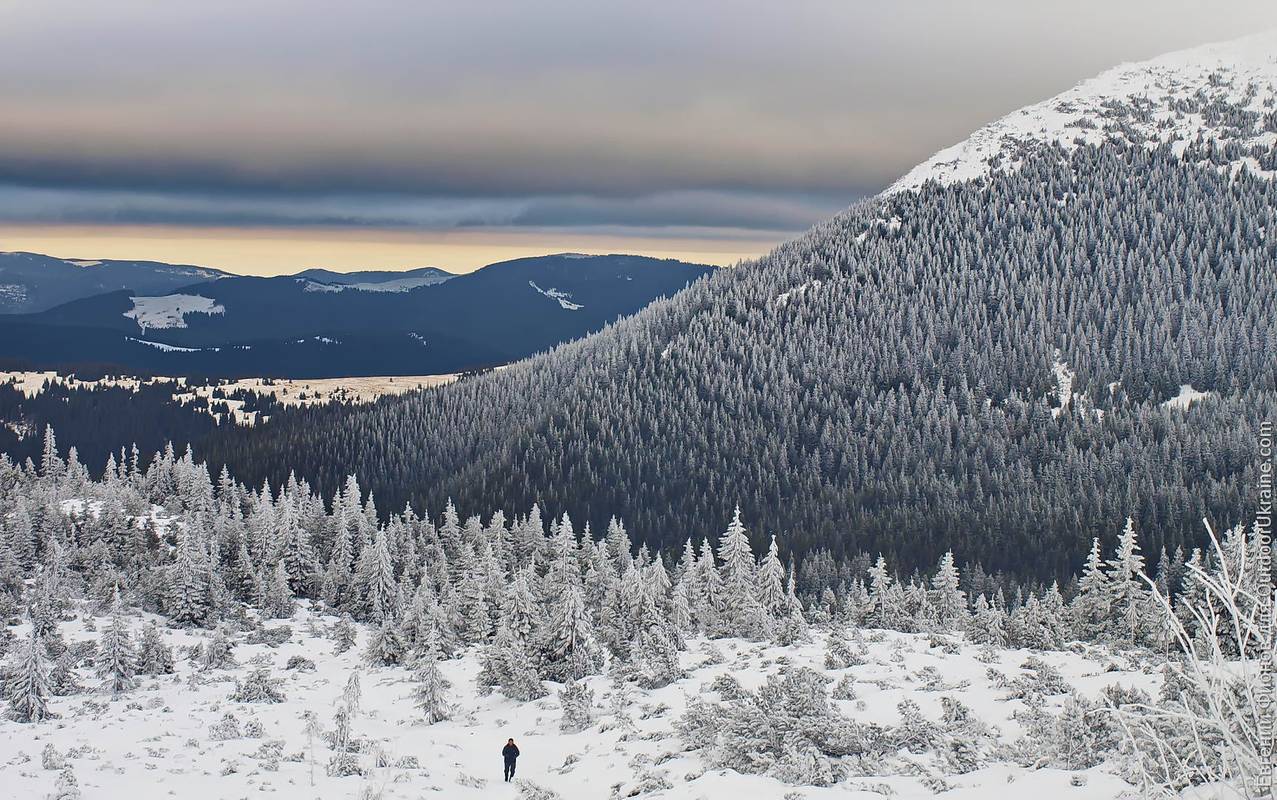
x=981, y=367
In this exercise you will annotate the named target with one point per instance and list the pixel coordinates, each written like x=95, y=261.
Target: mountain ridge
x=888, y=382
x=291, y=326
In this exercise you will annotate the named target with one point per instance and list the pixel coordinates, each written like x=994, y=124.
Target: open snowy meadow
x=183, y=735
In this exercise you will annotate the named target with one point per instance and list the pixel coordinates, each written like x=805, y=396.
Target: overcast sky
x=271, y=136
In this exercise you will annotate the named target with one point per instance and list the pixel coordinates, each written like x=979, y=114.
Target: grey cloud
x=694, y=211
x=716, y=112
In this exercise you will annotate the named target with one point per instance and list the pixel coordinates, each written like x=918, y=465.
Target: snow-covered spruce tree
x=27, y=689
x=312, y=730
x=655, y=653
x=771, y=581
x=577, y=702
x=189, y=600
x=569, y=649
x=741, y=612
x=343, y=634
x=375, y=582
x=1126, y=596
x=298, y=557
x=353, y=693
x=116, y=659
x=1089, y=610
x=154, y=656
x=344, y=761
x=275, y=596
x=430, y=689
x=888, y=601
x=522, y=681
x=792, y=626
x=386, y=647
x=949, y=602
x=988, y=624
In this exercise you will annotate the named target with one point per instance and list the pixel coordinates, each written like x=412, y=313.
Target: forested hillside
x=984, y=366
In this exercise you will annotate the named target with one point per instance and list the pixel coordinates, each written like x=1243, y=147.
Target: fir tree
x=116, y=660
x=27, y=688
x=430, y=688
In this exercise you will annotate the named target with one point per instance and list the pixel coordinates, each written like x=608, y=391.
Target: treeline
x=101, y=419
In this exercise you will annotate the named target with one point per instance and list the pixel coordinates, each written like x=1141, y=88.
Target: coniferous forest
x=982, y=367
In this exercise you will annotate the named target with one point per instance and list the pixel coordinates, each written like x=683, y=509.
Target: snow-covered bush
x=838, y=651
x=1082, y=735
x=533, y=791
x=226, y=728
x=67, y=787
x=844, y=689
x=218, y=652
x=787, y=728
x=299, y=663
x=577, y=701
x=257, y=687
x=51, y=759
x=1043, y=679
x=271, y=637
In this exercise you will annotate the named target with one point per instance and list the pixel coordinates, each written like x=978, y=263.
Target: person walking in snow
x=510, y=752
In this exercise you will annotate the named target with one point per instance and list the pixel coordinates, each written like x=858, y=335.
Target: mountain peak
x=1224, y=92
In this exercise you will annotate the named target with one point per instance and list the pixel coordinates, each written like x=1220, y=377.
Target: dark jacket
x=510, y=752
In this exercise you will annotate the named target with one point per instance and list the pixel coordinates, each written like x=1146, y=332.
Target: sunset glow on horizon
x=275, y=251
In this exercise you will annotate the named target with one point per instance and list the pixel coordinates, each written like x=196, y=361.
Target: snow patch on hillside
x=397, y=285
x=1063, y=384
x=86, y=263
x=797, y=292
x=1186, y=397
x=1221, y=92
x=172, y=348
x=555, y=294
x=170, y=310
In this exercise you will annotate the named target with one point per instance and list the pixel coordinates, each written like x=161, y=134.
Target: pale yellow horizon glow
x=280, y=251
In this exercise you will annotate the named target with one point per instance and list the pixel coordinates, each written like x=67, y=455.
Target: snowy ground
x=155, y=742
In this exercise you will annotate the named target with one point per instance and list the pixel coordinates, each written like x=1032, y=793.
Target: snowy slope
x=170, y=310
x=1226, y=92
x=160, y=744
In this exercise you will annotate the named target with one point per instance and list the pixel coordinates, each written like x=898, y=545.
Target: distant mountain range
x=30, y=282
x=183, y=320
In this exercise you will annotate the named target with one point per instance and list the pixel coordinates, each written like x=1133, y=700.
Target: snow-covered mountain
x=376, y=280
x=31, y=282
x=1225, y=93
x=320, y=324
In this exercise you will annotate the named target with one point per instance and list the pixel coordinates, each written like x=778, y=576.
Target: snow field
x=155, y=742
